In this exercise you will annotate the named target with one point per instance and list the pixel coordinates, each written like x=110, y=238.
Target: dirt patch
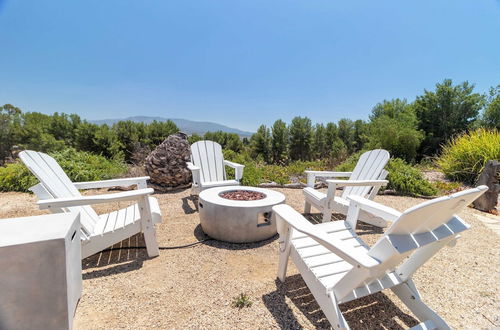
x=193, y=287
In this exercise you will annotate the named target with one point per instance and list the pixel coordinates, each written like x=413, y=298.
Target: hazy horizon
x=236, y=63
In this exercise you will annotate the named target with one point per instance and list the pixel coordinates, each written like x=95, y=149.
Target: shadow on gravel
x=376, y=311
x=190, y=204
x=119, y=260
x=200, y=235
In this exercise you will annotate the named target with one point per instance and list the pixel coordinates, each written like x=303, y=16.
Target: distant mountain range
x=186, y=126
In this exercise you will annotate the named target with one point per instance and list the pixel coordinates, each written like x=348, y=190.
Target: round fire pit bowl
x=238, y=214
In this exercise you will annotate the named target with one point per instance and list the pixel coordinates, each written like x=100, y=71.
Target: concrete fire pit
x=238, y=221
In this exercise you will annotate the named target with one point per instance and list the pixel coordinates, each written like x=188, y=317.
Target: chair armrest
x=123, y=182
x=353, y=256
x=192, y=167
x=238, y=169
x=195, y=171
x=330, y=174
x=343, y=183
x=96, y=199
x=374, y=208
x=312, y=175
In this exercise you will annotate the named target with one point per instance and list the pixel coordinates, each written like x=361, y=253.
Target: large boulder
x=166, y=165
x=489, y=177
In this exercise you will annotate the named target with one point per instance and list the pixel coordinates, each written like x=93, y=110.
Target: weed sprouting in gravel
x=241, y=300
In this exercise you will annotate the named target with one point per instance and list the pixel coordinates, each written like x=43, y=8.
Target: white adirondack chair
x=338, y=266
x=58, y=194
x=209, y=167
x=365, y=181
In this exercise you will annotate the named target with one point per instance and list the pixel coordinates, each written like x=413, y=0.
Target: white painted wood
x=365, y=180
x=58, y=194
x=208, y=167
x=338, y=266
x=124, y=182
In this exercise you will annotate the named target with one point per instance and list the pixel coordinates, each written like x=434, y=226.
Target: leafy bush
x=407, y=180
x=78, y=165
x=16, y=177
x=256, y=171
x=403, y=178
x=464, y=157
x=394, y=127
x=350, y=163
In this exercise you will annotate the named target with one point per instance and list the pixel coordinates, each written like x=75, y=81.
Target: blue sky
x=240, y=63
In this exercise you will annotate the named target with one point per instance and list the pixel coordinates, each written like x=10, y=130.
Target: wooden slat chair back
x=59, y=194
x=58, y=184
x=208, y=156
x=365, y=181
x=368, y=167
x=417, y=235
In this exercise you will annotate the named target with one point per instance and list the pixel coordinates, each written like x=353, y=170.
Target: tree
x=331, y=134
x=194, y=138
x=9, y=116
x=359, y=134
x=229, y=141
x=394, y=127
x=445, y=112
x=84, y=136
x=320, y=147
x=128, y=134
x=346, y=133
x=158, y=131
x=491, y=114
x=260, y=143
x=61, y=127
x=107, y=144
x=300, y=139
x=279, y=144
x=33, y=132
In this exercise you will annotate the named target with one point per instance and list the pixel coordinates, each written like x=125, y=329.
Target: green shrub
x=78, y=165
x=403, y=178
x=464, y=157
x=446, y=188
x=257, y=171
x=350, y=163
x=16, y=177
x=407, y=180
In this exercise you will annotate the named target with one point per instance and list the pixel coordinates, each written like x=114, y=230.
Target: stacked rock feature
x=166, y=165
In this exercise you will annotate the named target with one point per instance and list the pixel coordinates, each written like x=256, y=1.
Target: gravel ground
x=193, y=287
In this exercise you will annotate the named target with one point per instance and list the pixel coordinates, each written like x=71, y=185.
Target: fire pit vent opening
x=242, y=195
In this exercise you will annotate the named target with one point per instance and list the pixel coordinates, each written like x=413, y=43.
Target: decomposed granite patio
x=193, y=287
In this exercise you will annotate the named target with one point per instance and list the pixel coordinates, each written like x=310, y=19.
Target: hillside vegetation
x=465, y=122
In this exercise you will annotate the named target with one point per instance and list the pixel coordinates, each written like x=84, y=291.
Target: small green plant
x=403, y=178
x=445, y=188
x=78, y=165
x=350, y=163
x=241, y=300
x=407, y=180
x=16, y=177
x=464, y=157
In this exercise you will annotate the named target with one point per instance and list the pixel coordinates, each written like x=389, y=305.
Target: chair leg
x=407, y=293
x=148, y=228
x=151, y=242
x=333, y=313
x=283, y=259
x=327, y=215
x=307, y=207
